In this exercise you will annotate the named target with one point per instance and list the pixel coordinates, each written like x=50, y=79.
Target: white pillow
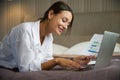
x=58, y=49
x=77, y=49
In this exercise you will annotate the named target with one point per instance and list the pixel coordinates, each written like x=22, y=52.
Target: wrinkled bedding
x=112, y=72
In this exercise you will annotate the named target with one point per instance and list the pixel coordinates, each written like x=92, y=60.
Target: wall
x=91, y=16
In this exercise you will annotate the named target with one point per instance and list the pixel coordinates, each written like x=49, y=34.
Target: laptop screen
x=106, y=49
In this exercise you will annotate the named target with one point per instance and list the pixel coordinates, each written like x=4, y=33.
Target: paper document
x=94, y=44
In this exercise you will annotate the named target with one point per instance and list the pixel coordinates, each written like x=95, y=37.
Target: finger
x=76, y=65
x=90, y=57
x=93, y=56
x=80, y=57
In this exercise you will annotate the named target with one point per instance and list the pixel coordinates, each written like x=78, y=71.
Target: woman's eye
x=64, y=20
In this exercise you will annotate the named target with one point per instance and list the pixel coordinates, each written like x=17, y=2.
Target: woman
x=28, y=46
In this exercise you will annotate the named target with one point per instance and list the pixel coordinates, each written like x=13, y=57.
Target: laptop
x=106, y=50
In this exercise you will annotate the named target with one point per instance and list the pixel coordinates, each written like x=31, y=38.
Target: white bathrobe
x=21, y=48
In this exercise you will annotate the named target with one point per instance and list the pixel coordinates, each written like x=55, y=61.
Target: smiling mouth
x=60, y=29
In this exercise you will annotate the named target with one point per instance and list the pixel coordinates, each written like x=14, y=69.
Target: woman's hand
x=68, y=64
x=83, y=60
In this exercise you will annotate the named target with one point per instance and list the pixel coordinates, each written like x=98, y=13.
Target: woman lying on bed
x=28, y=46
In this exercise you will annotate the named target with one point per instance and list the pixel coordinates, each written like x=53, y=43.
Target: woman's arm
x=49, y=64
x=65, y=63
x=75, y=63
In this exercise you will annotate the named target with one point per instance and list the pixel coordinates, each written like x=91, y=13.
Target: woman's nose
x=65, y=26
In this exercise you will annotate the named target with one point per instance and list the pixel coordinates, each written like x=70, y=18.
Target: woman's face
x=58, y=23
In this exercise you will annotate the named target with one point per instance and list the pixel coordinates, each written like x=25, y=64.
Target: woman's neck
x=43, y=31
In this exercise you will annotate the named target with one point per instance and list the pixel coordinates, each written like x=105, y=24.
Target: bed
x=112, y=72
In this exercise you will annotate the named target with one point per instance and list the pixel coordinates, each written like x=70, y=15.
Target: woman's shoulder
x=25, y=26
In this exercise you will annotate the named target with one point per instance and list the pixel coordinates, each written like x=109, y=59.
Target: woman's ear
x=50, y=14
